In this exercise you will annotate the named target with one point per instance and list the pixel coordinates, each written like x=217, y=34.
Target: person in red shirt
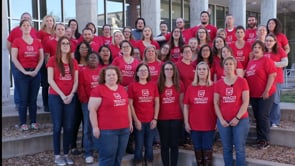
x=146, y=40
x=230, y=29
x=231, y=101
x=203, y=37
x=241, y=48
x=274, y=26
x=226, y=51
x=106, y=37
x=16, y=33
x=73, y=24
x=88, y=36
x=251, y=30
x=127, y=32
x=176, y=42
x=221, y=32
x=164, y=53
x=199, y=114
x=205, y=19
x=63, y=80
x=126, y=63
x=170, y=122
x=27, y=57
x=88, y=80
x=105, y=57
x=118, y=37
x=278, y=55
x=185, y=67
x=260, y=74
x=206, y=55
x=218, y=43
x=144, y=103
x=110, y=116
x=193, y=42
x=150, y=58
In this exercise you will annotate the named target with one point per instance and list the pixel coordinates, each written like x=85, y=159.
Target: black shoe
x=75, y=152
x=263, y=145
x=130, y=150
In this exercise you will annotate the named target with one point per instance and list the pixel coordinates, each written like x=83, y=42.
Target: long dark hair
x=100, y=61
x=162, y=77
x=76, y=33
x=77, y=51
x=180, y=41
x=275, y=48
x=278, y=27
x=58, y=57
x=200, y=57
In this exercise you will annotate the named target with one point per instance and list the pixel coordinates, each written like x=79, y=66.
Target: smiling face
x=150, y=54
x=229, y=66
x=111, y=77
x=202, y=71
x=168, y=71
x=142, y=72
x=92, y=60
x=270, y=42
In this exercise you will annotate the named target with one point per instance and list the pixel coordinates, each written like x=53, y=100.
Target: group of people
x=190, y=82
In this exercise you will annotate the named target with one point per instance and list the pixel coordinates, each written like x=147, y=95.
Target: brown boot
x=208, y=156
x=199, y=157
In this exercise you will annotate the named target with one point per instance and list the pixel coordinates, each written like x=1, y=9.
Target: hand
x=33, y=73
x=96, y=132
x=224, y=123
x=187, y=127
x=131, y=127
x=265, y=95
x=138, y=125
x=234, y=122
x=153, y=124
x=68, y=99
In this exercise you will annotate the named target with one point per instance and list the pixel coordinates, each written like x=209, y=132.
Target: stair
x=31, y=143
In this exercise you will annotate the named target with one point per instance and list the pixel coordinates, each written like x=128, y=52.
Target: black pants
x=169, y=131
x=78, y=118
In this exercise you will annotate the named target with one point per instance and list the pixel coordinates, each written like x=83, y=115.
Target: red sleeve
x=129, y=91
x=186, y=95
x=96, y=92
x=81, y=88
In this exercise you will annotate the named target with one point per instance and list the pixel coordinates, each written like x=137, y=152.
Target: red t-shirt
x=186, y=73
x=44, y=37
x=242, y=54
x=28, y=54
x=201, y=115
x=257, y=73
x=186, y=35
x=282, y=40
x=175, y=54
x=219, y=71
x=230, y=36
x=17, y=32
x=250, y=35
x=127, y=70
x=170, y=107
x=88, y=80
x=51, y=46
x=212, y=30
x=116, y=51
x=230, y=97
x=142, y=47
x=277, y=58
x=66, y=82
x=105, y=40
x=155, y=68
x=143, y=99
x=113, y=110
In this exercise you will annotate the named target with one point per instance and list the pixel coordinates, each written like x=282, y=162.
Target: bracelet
x=155, y=119
x=238, y=118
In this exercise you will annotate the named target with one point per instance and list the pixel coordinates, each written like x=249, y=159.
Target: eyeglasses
x=269, y=40
x=168, y=69
x=201, y=32
x=125, y=46
x=65, y=44
x=143, y=70
x=167, y=48
x=83, y=48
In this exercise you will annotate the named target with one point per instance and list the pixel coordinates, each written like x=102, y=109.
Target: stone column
x=132, y=13
x=5, y=56
x=151, y=12
x=86, y=11
x=238, y=10
x=196, y=7
x=268, y=10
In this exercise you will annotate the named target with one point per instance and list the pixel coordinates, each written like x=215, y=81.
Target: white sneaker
x=274, y=125
x=68, y=160
x=59, y=160
x=89, y=160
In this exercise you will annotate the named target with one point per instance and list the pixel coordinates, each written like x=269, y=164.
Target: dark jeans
x=62, y=117
x=261, y=109
x=78, y=118
x=28, y=89
x=112, y=145
x=202, y=140
x=16, y=97
x=144, y=137
x=44, y=84
x=88, y=138
x=169, y=131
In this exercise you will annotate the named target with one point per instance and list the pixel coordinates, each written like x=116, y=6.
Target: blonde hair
x=196, y=80
x=43, y=24
x=113, y=37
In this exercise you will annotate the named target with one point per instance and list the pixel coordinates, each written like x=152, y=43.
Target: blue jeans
x=88, y=138
x=169, y=131
x=28, y=89
x=112, y=145
x=144, y=137
x=261, y=109
x=236, y=136
x=44, y=84
x=275, y=113
x=16, y=97
x=62, y=117
x=202, y=140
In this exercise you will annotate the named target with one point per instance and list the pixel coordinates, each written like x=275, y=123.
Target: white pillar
x=86, y=11
x=268, y=10
x=151, y=12
x=5, y=56
x=196, y=7
x=238, y=10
